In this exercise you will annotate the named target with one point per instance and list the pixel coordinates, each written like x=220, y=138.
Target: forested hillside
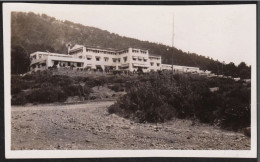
x=33, y=32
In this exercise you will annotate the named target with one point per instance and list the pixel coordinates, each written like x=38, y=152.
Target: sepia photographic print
x=129, y=80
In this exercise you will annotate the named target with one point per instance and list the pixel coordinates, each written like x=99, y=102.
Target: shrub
x=144, y=103
x=114, y=108
x=117, y=87
x=19, y=99
x=18, y=84
x=72, y=90
x=160, y=97
x=47, y=94
x=45, y=88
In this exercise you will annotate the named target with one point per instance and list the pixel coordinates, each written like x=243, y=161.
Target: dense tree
x=244, y=70
x=230, y=69
x=19, y=60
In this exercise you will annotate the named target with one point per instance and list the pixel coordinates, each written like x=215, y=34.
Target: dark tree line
x=33, y=32
x=19, y=60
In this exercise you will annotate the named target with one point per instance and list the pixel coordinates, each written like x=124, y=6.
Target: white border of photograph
x=7, y=9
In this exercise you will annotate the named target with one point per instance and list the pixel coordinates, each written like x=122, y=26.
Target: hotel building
x=86, y=57
x=90, y=58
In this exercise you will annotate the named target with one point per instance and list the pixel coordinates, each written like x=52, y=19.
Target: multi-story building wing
x=127, y=59
x=80, y=56
x=45, y=60
x=155, y=63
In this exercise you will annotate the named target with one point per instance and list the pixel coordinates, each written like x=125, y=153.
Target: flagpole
x=172, y=38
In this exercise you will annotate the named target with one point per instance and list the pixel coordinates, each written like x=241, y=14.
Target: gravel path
x=89, y=126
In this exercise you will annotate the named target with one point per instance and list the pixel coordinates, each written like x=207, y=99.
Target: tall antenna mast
x=172, y=37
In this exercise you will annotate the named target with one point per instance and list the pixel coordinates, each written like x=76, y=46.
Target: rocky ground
x=89, y=126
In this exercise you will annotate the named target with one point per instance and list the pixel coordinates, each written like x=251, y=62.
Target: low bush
x=114, y=109
x=47, y=94
x=117, y=87
x=160, y=97
x=19, y=99
x=45, y=88
x=72, y=90
x=18, y=84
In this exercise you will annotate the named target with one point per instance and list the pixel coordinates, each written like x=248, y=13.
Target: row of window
x=114, y=53
x=107, y=52
x=137, y=51
x=139, y=59
x=33, y=57
x=105, y=59
x=38, y=65
x=44, y=55
x=152, y=64
x=144, y=52
x=98, y=51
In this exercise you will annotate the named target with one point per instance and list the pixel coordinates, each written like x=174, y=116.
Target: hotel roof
x=113, y=49
x=48, y=53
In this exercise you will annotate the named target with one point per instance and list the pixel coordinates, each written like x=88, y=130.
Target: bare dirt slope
x=89, y=126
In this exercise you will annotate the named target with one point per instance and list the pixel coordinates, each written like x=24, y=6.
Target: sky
x=223, y=32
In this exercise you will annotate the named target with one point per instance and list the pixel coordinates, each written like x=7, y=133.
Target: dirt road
x=89, y=126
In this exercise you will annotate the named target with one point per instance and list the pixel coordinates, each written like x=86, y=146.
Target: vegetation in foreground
x=44, y=87
x=155, y=97
x=160, y=97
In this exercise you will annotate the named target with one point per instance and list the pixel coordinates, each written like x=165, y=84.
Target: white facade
x=45, y=60
x=85, y=57
x=181, y=69
x=127, y=59
x=80, y=56
x=155, y=63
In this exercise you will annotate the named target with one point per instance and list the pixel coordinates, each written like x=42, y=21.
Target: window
x=106, y=59
x=158, y=64
x=142, y=51
x=135, y=51
x=78, y=64
x=152, y=63
x=97, y=58
x=88, y=57
x=80, y=57
x=125, y=59
x=114, y=59
x=118, y=59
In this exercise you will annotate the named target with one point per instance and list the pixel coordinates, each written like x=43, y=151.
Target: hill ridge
x=32, y=32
